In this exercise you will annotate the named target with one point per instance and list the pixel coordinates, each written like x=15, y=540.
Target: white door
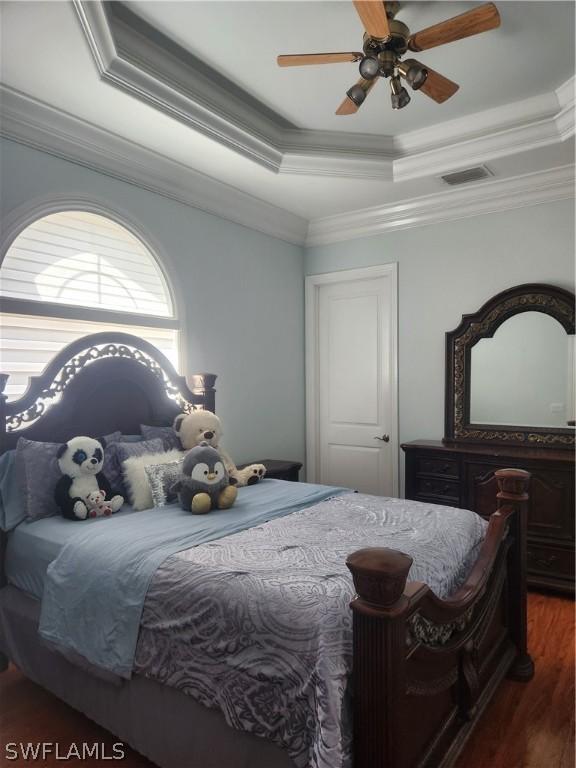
x=352, y=380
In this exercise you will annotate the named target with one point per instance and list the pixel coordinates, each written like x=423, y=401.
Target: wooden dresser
x=463, y=476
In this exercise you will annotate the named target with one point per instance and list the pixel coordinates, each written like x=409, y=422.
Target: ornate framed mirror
x=510, y=370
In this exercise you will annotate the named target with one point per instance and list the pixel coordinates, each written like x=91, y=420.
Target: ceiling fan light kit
x=369, y=67
x=413, y=72
x=357, y=94
x=400, y=96
x=386, y=40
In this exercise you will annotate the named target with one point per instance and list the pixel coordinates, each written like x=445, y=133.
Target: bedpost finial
x=200, y=382
x=3, y=381
x=202, y=387
x=379, y=574
x=512, y=485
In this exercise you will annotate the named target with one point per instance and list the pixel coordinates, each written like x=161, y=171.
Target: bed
x=427, y=647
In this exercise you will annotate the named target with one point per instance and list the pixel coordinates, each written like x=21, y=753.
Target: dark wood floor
x=532, y=725
x=525, y=726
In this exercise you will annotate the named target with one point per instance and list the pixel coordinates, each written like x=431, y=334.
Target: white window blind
x=28, y=343
x=84, y=259
x=99, y=270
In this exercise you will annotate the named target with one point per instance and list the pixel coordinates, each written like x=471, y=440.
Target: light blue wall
x=243, y=294
x=447, y=270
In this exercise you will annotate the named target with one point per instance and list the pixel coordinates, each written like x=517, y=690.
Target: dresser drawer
x=547, y=560
x=462, y=475
x=446, y=490
x=439, y=466
x=551, y=504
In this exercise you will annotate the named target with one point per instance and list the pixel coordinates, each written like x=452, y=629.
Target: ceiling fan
x=386, y=40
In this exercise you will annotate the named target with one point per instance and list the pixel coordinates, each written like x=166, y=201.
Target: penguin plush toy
x=204, y=483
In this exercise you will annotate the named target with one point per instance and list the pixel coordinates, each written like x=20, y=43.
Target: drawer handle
x=430, y=466
x=543, y=562
x=435, y=487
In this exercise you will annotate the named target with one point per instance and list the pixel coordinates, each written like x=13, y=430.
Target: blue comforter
x=95, y=589
x=259, y=624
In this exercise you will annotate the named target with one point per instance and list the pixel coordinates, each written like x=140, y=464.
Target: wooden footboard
x=424, y=668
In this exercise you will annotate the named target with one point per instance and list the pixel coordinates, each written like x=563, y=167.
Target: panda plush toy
x=83, y=490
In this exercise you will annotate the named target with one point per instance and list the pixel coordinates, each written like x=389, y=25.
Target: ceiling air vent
x=464, y=177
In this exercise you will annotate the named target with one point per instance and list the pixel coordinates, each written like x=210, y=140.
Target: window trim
x=22, y=216
x=72, y=312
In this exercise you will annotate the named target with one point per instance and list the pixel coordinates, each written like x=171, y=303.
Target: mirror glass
x=524, y=374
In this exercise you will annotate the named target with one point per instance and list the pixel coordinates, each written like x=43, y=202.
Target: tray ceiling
x=241, y=40
x=188, y=101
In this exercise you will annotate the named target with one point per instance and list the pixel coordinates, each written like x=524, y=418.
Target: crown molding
x=566, y=95
x=153, y=69
x=365, y=167
x=482, y=149
x=354, y=155
x=133, y=56
x=500, y=132
x=40, y=126
x=485, y=197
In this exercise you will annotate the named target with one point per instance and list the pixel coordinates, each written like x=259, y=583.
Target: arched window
x=74, y=273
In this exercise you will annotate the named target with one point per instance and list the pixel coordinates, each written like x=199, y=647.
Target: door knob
x=384, y=438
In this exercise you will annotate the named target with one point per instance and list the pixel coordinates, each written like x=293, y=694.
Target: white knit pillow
x=136, y=480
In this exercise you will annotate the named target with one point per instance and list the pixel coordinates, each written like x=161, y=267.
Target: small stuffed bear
x=78, y=493
x=97, y=507
x=204, y=483
x=204, y=426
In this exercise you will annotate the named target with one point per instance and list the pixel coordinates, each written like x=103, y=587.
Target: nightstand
x=279, y=470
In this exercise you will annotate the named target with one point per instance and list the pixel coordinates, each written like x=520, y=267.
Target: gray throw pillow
x=167, y=435
x=161, y=477
x=120, y=452
x=12, y=511
x=109, y=467
x=38, y=472
x=131, y=439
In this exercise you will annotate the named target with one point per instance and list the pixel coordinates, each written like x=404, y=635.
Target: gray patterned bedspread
x=258, y=624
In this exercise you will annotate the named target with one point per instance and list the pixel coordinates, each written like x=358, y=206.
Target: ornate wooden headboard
x=99, y=384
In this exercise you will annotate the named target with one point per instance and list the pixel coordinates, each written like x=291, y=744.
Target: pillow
x=167, y=434
x=161, y=477
x=38, y=472
x=135, y=479
x=111, y=469
x=131, y=439
x=118, y=454
x=12, y=510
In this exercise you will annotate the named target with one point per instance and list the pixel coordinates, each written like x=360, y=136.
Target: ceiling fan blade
x=348, y=107
x=373, y=16
x=302, y=59
x=479, y=19
x=438, y=87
